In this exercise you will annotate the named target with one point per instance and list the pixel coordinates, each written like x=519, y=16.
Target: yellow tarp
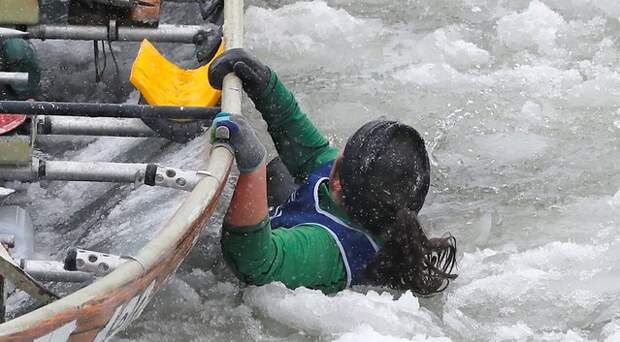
x=15, y=150
x=162, y=83
x=22, y=12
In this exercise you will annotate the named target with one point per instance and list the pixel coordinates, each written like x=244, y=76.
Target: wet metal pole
x=149, y=174
x=163, y=33
x=110, y=110
x=111, y=127
x=233, y=36
x=14, y=78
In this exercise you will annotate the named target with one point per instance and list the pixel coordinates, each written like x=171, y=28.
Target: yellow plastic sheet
x=22, y=12
x=162, y=83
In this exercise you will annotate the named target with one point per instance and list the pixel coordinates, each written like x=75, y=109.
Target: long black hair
x=385, y=176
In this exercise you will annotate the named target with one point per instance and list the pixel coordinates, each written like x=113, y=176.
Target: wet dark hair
x=385, y=176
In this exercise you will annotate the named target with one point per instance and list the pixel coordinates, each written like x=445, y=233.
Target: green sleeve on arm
x=300, y=144
x=305, y=255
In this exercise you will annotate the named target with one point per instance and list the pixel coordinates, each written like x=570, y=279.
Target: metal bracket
x=175, y=178
x=96, y=263
x=222, y=133
x=112, y=30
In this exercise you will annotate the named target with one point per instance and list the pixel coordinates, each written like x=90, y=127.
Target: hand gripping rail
x=107, y=306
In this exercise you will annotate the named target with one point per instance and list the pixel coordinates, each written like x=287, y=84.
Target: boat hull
x=109, y=305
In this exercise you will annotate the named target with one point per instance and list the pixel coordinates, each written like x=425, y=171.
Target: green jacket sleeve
x=305, y=255
x=300, y=144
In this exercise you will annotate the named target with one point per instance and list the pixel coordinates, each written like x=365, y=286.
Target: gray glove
x=234, y=132
x=253, y=73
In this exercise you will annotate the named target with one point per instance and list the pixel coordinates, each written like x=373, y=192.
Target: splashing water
x=518, y=103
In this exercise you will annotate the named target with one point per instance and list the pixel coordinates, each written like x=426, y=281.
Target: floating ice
x=319, y=34
x=433, y=74
x=609, y=7
x=321, y=315
x=517, y=332
x=615, y=201
x=365, y=333
x=537, y=27
x=506, y=148
x=5, y=191
x=603, y=91
x=458, y=53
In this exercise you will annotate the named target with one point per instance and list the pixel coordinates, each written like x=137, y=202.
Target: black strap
x=149, y=174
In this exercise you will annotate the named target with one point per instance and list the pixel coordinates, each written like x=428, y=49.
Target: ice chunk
x=531, y=110
x=365, y=333
x=602, y=91
x=609, y=7
x=538, y=80
x=530, y=115
x=606, y=53
x=536, y=27
x=5, y=192
x=615, y=201
x=507, y=148
x=435, y=74
x=483, y=227
x=321, y=34
x=16, y=221
x=458, y=53
x=311, y=311
x=611, y=331
x=460, y=324
x=517, y=332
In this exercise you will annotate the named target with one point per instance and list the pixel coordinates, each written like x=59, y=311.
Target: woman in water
x=353, y=220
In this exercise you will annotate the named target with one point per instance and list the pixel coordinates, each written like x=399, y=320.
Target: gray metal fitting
x=176, y=178
x=96, y=263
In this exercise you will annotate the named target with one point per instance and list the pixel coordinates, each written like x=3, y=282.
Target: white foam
x=458, y=53
x=365, y=333
x=611, y=331
x=320, y=315
x=319, y=35
x=603, y=90
x=536, y=27
x=610, y=7
x=503, y=147
x=517, y=332
x=615, y=200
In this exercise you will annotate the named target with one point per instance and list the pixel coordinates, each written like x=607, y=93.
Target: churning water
x=519, y=103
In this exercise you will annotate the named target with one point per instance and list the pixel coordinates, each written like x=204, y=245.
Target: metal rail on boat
x=134, y=173
x=110, y=110
x=107, y=306
x=110, y=127
x=163, y=33
x=14, y=78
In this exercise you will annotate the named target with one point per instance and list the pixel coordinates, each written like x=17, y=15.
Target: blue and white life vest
x=357, y=248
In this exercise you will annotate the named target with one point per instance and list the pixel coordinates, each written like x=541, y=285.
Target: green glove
x=234, y=132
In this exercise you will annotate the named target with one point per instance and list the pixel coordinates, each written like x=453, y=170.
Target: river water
x=519, y=103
